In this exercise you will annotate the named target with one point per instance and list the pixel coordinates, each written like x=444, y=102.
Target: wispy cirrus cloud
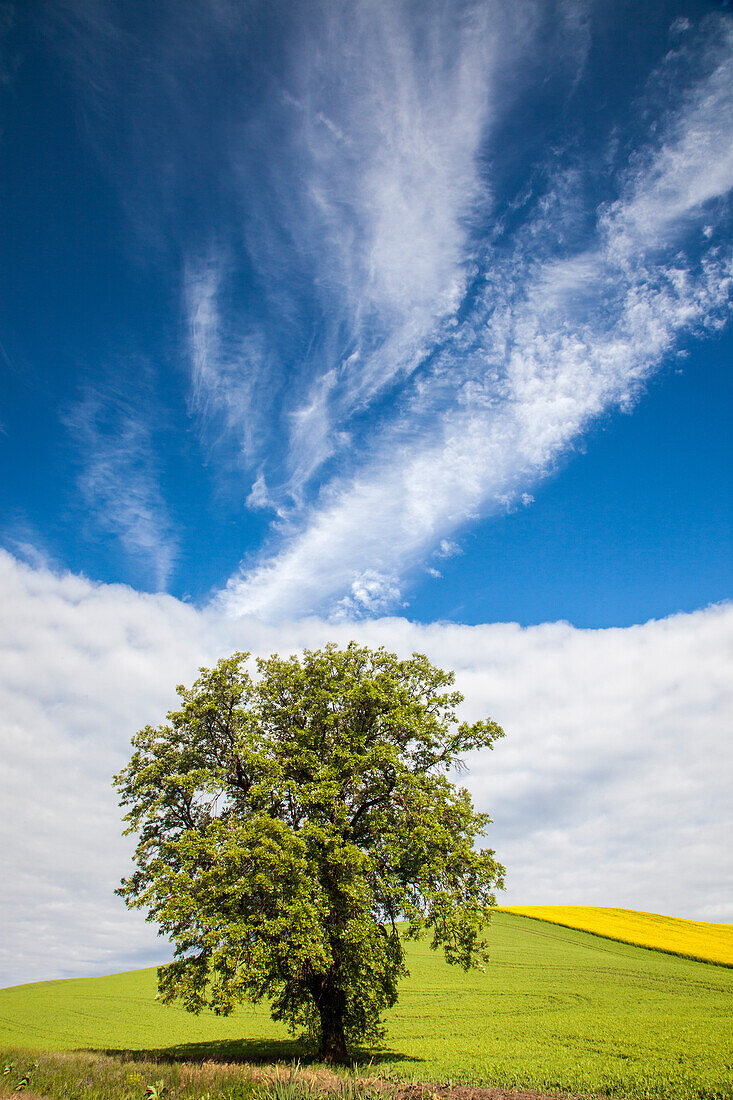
x=550, y=343
x=119, y=480
x=361, y=184
x=391, y=328
x=353, y=220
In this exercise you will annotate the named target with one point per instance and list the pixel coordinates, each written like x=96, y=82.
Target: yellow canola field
x=691, y=938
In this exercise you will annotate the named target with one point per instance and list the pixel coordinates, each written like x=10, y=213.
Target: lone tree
x=287, y=823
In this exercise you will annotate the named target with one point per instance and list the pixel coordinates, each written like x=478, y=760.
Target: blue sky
x=398, y=320
x=344, y=309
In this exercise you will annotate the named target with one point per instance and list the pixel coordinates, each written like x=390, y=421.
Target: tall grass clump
x=94, y=1076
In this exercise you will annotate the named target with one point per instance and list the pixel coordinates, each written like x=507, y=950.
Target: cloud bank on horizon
x=614, y=792
x=413, y=267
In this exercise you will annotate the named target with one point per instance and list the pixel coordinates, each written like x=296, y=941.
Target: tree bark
x=331, y=1003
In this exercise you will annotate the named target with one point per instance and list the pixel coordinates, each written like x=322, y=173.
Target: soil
x=469, y=1092
x=330, y=1085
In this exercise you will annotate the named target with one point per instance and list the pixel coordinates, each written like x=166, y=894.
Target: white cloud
x=371, y=592
x=231, y=371
x=357, y=214
x=359, y=220
x=119, y=479
x=388, y=363
x=390, y=515
x=611, y=787
x=692, y=165
x=680, y=25
x=258, y=496
x=552, y=345
x=447, y=548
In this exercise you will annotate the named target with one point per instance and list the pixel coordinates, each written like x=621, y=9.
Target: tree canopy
x=297, y=826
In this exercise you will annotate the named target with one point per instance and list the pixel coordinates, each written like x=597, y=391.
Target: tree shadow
x=252, y=1051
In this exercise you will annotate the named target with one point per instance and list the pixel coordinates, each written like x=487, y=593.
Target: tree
x=288, y=823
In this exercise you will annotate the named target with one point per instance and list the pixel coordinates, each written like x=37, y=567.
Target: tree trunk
x=331, y=1004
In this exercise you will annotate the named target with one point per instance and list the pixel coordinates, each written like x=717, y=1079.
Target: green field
x=693, y=939
x=556, y=1008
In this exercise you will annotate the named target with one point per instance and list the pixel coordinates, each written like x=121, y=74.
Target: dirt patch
x=470, y=1092
x=322, y=1083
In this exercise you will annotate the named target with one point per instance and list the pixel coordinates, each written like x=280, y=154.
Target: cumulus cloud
x=611, y=787
x=448, y=548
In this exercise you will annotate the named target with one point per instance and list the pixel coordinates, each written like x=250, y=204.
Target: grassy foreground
x=689, y=938
x=556, y=1009
x=103, y=1077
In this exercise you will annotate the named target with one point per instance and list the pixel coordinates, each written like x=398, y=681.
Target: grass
x=688, y=938
x=557, y=1008
x=102, y=1077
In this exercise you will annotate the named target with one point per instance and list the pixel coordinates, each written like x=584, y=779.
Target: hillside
x=555, y=1008
x=688, y=938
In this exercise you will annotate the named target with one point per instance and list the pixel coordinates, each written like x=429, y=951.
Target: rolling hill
x=688, y=938
x=556, y=1008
